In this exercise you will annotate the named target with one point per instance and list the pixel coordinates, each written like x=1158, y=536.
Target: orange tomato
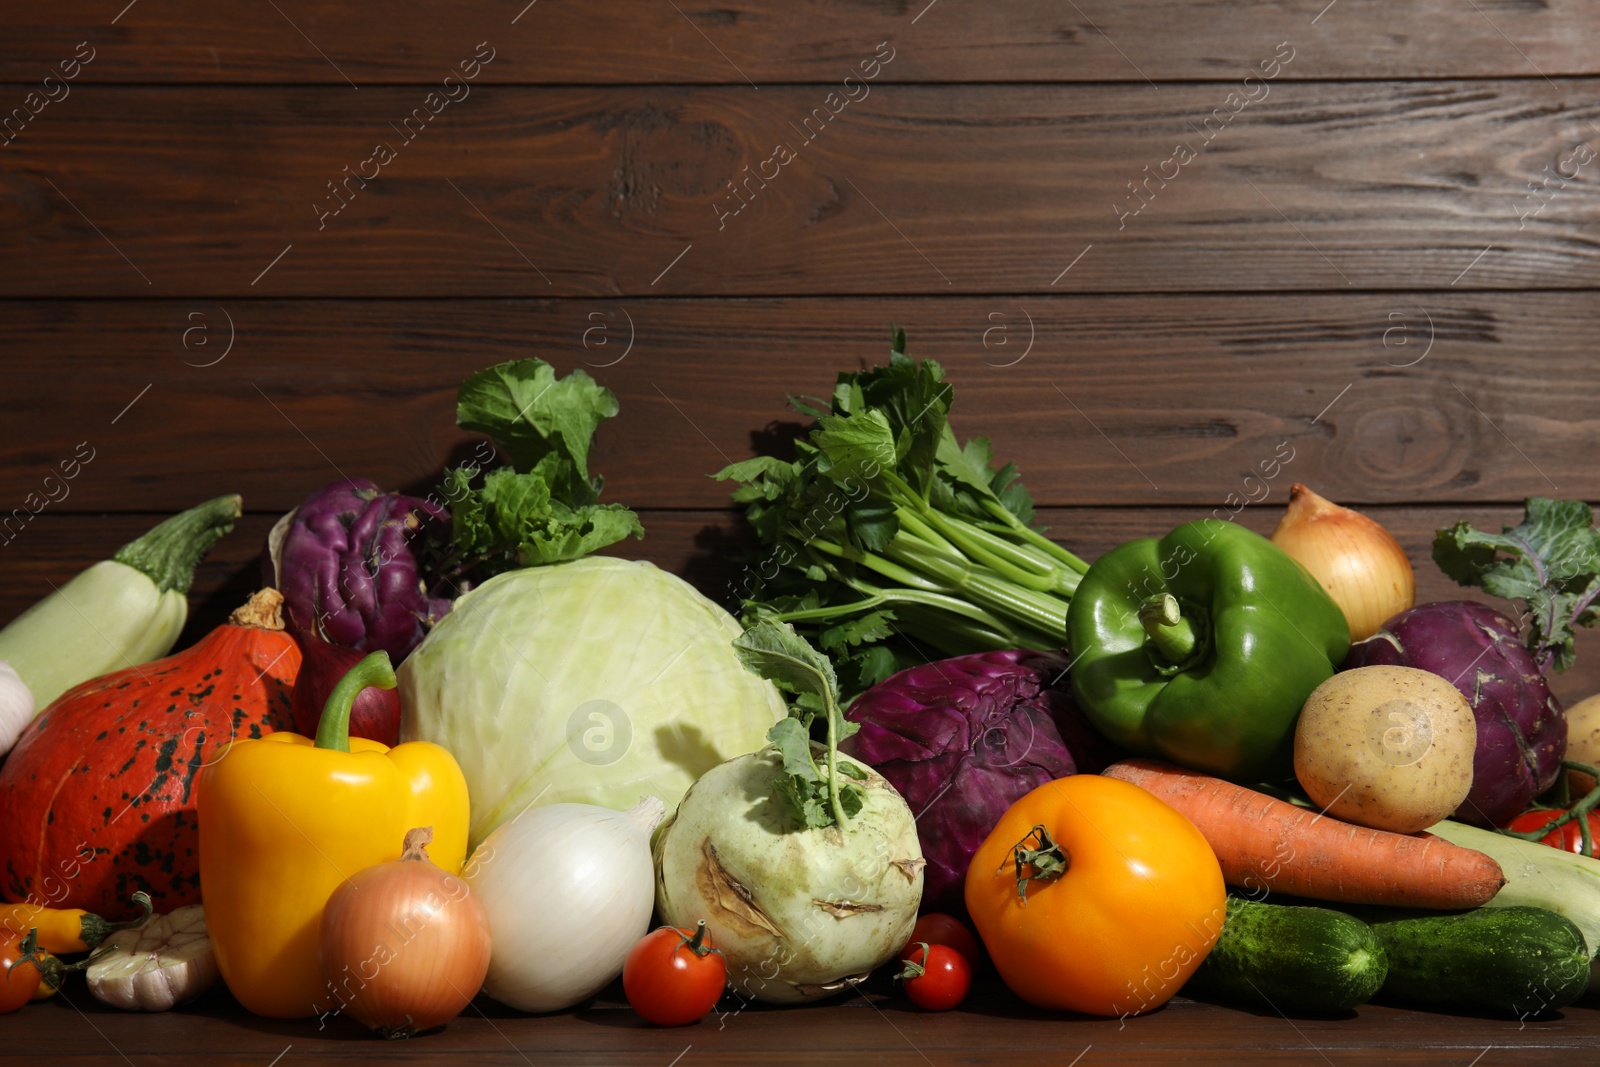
x=1116, y=916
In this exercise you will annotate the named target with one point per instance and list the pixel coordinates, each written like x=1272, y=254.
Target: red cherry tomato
x=19, y=973
x=673, y=977
x=936, y=977
x=1567, y=837
x=937, y=928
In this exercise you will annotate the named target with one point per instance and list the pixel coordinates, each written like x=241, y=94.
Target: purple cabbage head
x=962, y=739
x=349, y=564
x=1522, y=729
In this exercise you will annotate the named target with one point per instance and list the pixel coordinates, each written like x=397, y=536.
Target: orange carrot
x=1266, y=844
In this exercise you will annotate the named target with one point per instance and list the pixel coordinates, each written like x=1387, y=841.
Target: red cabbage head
x=962, y=739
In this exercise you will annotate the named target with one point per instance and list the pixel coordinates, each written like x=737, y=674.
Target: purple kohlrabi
x=349, y=562
x=1522, y=730
x=962, y=739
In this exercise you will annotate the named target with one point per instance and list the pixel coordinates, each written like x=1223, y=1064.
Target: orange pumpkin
x=98, y=792
x=1093, y=896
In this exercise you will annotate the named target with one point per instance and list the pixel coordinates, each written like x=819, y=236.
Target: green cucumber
x=1538, y=876
x=1523, y=961
x=1292, y=959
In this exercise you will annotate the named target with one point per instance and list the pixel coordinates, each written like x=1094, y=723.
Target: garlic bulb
x=166, y=961
x=16, y=706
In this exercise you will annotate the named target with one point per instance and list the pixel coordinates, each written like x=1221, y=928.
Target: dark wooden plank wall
x=551, y=43
x=1353, y=261
x=252, y=191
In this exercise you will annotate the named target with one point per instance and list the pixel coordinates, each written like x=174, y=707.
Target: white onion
x=568, y=889
x=16, y=706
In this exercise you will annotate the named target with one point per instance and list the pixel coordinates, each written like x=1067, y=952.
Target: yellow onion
x=1357, y=561
x=405, y=945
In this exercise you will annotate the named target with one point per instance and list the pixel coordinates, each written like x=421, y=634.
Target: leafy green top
x=1551, y=562
x=879, y=524
x=545, y=507
x=813, y=796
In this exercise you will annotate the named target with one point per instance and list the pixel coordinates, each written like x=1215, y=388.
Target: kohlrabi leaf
x=814, y=798
x=774, y=651
x=1550, y=561
x=793, y=742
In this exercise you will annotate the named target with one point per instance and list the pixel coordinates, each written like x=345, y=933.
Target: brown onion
x=405, y=945
x=1358, y=562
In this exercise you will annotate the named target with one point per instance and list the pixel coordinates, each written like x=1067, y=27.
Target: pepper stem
x=1048, y=860
x=334, y=730
x=167, y=555
x=1164, y=622
x=92, y=929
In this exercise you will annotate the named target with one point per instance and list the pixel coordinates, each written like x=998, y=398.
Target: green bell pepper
x=1201, y=647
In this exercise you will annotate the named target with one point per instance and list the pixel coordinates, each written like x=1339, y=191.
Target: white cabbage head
x=589, y=682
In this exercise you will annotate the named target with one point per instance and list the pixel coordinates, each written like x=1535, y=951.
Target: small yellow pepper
x=64, y=930
x=285, y=819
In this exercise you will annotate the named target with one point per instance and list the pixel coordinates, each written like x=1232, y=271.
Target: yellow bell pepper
x=285, y=819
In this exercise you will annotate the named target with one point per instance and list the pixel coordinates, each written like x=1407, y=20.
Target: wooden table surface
x=1155, y=243
x=992, y=1028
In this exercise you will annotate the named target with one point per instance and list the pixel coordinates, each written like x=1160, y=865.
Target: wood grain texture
x=707, y=548
x=914, y=189
x=1119, y=400
x=323, y=41
x=991, y=1028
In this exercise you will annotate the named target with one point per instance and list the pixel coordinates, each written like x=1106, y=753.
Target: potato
x=1386, y=747
x=1583, y=741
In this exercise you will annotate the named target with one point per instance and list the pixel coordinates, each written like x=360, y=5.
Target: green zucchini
x=1292, y=959
x=1523, y=961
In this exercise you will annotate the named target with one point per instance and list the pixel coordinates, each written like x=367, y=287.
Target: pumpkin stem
x=167, y=555
x=263, y=611
x=334, y=729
